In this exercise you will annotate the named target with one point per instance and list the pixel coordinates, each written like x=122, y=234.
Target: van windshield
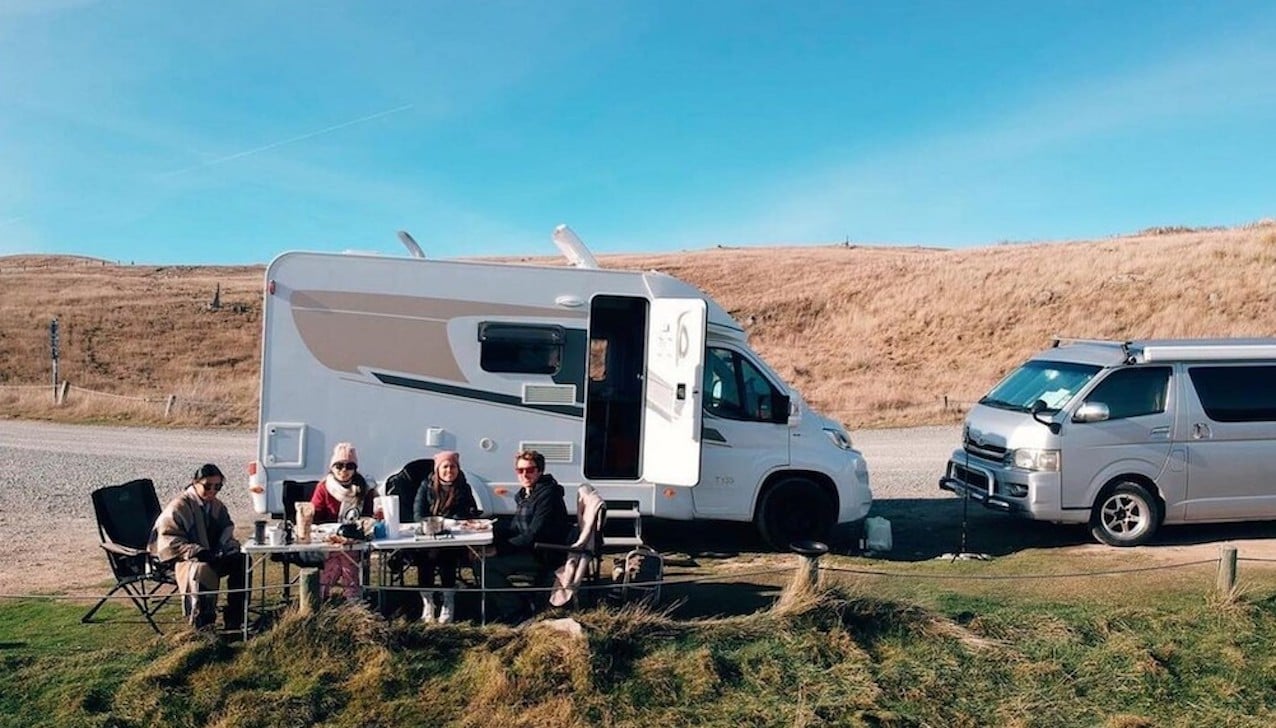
x=1049, y=381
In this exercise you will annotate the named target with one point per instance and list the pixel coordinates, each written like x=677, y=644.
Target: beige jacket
x=181, y=531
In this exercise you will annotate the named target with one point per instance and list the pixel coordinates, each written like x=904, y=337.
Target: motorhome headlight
x=1032, y=458
x=838, y=437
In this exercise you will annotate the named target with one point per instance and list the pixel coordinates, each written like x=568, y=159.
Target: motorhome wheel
x=1126, y=515
x=796, y=509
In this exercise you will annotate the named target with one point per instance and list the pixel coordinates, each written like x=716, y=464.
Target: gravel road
x=46, y=512
x=47, y=517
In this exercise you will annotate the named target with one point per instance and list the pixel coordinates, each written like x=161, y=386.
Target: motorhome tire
x=795, y=509
x=1125, y=515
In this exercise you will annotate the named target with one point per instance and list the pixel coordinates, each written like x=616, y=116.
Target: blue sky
x=228, y=132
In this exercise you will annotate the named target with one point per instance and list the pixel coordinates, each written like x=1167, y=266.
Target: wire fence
x=66, y=393
x=716, y=576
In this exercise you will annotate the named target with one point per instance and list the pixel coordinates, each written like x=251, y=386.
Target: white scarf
x=345, y=495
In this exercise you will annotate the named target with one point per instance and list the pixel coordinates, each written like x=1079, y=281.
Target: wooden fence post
x=168, y=406
x=1226, y=582
x=309, y=592
x=63, y=388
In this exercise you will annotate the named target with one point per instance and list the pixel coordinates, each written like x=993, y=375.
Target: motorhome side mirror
x=1092, y=412
x=780, y=408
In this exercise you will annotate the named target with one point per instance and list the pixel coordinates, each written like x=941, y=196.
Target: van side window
x=520, y=348
x=735, y=389
x=1236, y=393
x=1133, y=392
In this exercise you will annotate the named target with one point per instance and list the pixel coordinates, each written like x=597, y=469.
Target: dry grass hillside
x=875, y=336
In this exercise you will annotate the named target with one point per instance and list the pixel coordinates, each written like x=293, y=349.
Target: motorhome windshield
x=1051, y=382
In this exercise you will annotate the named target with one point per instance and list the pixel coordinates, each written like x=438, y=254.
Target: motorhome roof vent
x=549, y=393
x=554, y=452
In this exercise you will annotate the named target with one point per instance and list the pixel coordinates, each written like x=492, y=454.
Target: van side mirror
x=1092, y=412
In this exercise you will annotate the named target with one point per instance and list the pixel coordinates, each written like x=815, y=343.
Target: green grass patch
x=1148, y=649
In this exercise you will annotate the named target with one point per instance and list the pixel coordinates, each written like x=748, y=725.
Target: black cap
x=208, y=470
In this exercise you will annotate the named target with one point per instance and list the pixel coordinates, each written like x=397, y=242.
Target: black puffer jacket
x=540, y=517
x=463, y=505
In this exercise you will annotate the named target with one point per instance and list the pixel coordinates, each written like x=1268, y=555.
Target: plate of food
x=477, y=524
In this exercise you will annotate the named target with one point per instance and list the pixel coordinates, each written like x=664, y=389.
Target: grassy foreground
x=1120, y=653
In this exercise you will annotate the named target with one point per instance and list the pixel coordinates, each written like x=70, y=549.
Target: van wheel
x=794, y=510
x=1127, y=515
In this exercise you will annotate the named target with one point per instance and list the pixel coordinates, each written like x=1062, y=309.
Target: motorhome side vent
x=549, y=394
x=554, y=452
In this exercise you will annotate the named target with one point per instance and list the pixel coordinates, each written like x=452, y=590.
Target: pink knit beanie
x=343, y=452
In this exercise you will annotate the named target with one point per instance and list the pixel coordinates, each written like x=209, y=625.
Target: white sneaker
x=449, y=605
x=427, y=607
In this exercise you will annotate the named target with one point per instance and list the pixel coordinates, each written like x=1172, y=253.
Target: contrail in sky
x=275, y=145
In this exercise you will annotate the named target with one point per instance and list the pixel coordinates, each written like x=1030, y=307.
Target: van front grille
x=985, y=450
x=970, y=476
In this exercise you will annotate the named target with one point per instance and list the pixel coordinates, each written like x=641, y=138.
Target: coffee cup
x=305, y=517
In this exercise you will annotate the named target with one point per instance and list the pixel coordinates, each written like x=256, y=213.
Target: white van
x=635, y=382
x=1126, y=436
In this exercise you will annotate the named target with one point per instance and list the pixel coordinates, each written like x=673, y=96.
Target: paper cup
x=305, y=517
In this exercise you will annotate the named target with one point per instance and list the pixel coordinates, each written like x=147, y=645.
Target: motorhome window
x=735, y=388
x=597, y=360
x=1133, y=392
x=1052, y=382
x=520, y=348
x=1236, y=393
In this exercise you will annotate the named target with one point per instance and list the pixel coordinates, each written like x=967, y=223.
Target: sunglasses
x=215, y=486
x=532, y=469
x=345, y=466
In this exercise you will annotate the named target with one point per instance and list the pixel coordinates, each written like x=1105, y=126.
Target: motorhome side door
x=671, y=420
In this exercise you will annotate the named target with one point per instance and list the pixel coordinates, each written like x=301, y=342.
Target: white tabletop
x=406, y=538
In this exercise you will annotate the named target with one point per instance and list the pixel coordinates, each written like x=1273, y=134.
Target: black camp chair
x=404, y=484
x=294, y=492
x=125, y=518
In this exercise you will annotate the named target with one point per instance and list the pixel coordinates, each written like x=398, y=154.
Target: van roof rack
x=1069, y=340
x=1206, y=350
x=1162, y=350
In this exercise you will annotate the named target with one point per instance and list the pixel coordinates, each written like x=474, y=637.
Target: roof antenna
x=573, y=248
x=413, y=249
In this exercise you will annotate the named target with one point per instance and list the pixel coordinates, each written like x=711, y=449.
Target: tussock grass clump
x=831, y=655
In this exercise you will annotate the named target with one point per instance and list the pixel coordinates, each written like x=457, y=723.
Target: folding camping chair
x=294, y=492
x=404, y=484
x=125, y=518
x=584, y=553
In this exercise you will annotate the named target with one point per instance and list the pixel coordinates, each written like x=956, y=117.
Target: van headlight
x=839, y=438
x=1031, y=458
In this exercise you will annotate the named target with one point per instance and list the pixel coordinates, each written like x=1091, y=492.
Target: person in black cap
x=195, y=534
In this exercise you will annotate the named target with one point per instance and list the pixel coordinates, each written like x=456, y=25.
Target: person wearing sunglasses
x=343, y=494
x=447, y=494
x=540, y=516
x=196, y=535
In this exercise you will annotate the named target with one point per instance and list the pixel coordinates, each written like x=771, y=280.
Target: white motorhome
x=635, y=382
x=1126, y=436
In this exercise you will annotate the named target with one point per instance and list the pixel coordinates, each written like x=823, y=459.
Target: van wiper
x=999, y=404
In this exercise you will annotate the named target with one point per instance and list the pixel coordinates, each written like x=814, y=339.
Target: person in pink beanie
x=344, y=493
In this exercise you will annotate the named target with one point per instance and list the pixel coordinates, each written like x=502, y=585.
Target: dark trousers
x=445, y=561
x=509, y=605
